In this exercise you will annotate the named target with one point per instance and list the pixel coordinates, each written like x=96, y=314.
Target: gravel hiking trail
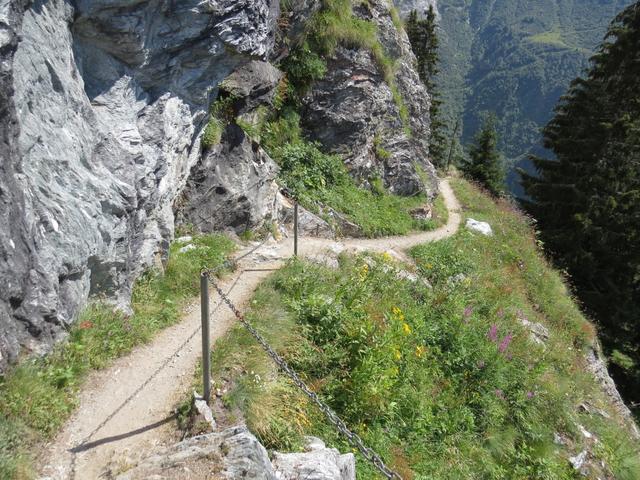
x=127, y=408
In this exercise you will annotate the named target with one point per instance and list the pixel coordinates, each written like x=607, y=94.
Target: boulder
x=230, y=454
x=235, y=453
x=233, y=185
x=317, y=463
x=481, y=227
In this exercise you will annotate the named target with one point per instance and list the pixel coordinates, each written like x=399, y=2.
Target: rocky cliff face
x=352, y=111
x=103, y=105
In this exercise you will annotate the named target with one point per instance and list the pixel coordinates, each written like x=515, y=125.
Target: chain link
x=352, y=437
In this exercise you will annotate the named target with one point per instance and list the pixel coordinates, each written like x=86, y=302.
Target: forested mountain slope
x=515, y=58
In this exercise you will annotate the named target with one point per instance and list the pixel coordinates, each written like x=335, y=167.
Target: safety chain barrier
x=337, y=422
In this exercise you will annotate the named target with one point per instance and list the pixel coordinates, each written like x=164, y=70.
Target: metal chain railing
x=333, y=418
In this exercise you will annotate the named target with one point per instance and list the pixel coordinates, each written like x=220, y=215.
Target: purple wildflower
x=504, y=345
x=481, y=364
x=493, y=333
x=530, y=395
x=468, y=311
x=499, y=394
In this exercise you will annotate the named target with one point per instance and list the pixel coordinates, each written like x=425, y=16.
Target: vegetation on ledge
x=38, y=395
x=443, y=380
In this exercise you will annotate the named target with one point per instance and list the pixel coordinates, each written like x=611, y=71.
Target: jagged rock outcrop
x=102, y=107
x=233, y=184
x=352, y=110
x=235, y=453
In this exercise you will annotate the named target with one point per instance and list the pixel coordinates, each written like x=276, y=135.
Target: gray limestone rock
x=598, y=367
x=102, y=104
x=352, y=111
x=233, y=185
x=317, y=463
x=230, y=454
x=235, y=453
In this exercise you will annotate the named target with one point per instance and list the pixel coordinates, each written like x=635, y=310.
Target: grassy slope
x=38, y=395
x=415, y=371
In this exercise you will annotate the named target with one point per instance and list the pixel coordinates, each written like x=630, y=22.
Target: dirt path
x=127, y=408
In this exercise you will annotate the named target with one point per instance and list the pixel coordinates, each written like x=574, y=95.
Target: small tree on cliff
x=485, y=162
x=425, y=43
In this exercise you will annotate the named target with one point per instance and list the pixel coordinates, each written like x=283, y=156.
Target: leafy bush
x=304, y=66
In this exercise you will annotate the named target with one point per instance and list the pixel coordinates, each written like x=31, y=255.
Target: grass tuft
x=38, y=395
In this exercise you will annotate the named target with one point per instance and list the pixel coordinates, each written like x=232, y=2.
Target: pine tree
x=485, y=162
x=424, y=40
x=587, y=200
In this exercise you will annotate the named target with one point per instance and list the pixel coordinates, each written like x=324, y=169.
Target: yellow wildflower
x=363, y=272
x=429, y=266
x=420, y=351
x=397, y=354
x=387, y=257
x=406, y=328
x=397, y=313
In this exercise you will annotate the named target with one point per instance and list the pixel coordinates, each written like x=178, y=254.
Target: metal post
x=295, y=228
x=206, y=347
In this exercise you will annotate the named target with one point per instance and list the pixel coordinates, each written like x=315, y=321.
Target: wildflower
x=500, y=313
x=397, y=313
x=500, y=394
x=429, y=266
x=504, y=345
x=397, y=354
x=406, y=328
x=363, y=272
x=85, y=325
x=493, y=333
x=420, y=350
x=530, y=395
x=481, y=364
x=386, y=256
x=467, y=314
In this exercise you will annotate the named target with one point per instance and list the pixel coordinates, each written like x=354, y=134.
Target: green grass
x=319, y=180
x=38, y=395
x=549, y=38
x=413, y=368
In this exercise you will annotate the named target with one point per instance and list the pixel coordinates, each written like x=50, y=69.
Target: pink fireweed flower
x=530, y=395
x=504, y=345
x=493, y=333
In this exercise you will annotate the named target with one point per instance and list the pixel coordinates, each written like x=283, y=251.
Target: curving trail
x=126, y=408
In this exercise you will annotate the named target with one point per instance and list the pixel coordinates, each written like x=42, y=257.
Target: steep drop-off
x=514, y=58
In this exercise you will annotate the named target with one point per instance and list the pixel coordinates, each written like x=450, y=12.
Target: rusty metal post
x=295, y=228
x=206, y=341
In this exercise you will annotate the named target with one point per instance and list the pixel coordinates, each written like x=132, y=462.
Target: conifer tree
x=485, y=162
x=587, y=200
x=424, y=40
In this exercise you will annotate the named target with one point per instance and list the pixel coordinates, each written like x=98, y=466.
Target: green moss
x=38, y=395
